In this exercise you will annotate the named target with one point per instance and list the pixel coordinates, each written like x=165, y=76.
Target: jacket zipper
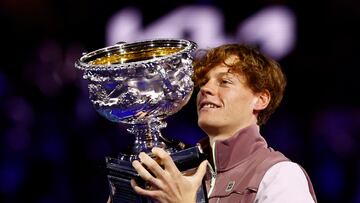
x=212, y=171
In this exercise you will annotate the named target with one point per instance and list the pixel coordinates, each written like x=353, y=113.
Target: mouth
x=208, y=105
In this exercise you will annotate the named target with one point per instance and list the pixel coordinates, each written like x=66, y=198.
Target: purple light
x=19, y=111
x=336, y=127
x=273, y=28
x=17, y=139
x=11, y=176
x=330, y=178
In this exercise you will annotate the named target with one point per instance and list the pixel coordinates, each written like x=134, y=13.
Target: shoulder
x=284, y=182
x=284, y=169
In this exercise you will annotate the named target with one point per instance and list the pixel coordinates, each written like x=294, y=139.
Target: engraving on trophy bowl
x=140, y=84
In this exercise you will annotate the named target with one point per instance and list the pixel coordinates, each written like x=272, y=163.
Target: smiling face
x=225, y=104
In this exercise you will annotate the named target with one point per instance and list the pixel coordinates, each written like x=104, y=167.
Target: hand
x=167, y=184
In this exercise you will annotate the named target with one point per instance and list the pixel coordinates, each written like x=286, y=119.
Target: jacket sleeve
x=284, y=182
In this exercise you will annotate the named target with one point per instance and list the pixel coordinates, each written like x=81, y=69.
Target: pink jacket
x=238, y=166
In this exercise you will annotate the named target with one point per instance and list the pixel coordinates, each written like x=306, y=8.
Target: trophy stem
x=147, y=136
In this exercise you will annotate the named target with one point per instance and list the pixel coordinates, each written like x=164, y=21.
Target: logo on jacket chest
x=230, y=186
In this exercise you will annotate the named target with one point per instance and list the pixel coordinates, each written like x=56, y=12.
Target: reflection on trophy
x=139, y=84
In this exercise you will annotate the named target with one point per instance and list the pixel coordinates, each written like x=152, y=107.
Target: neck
x=221, y=134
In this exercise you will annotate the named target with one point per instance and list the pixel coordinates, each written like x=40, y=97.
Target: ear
x=262, y=100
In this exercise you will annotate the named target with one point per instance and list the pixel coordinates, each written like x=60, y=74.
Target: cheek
x=243, y=104
x=197, y=99
x=253, y=103
x=198, y=96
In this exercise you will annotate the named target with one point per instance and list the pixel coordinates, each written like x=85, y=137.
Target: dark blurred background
x=53, y=143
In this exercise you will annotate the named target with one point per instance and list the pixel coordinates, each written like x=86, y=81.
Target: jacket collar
x=236, y=149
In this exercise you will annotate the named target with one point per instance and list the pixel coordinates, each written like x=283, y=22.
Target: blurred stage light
x=272, y=29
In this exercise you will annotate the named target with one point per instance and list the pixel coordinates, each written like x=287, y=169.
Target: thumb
x=200, y=172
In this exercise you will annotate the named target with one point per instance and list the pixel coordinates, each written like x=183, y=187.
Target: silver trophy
x=138, y=85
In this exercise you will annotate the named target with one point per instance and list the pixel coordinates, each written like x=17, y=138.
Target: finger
x=137, y=188
x=151, y=165
x=166, y=160
x=200, y=172
x=143, y=173
x=142, y=191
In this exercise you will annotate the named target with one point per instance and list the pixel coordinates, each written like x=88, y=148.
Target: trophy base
x=120, y=172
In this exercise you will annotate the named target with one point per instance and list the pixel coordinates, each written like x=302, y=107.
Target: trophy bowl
x=138, y=85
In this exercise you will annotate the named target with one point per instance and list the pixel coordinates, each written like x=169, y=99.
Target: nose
x=207, y=89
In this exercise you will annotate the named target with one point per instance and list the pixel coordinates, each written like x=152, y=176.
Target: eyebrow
x=228, y=73
x=221, y=74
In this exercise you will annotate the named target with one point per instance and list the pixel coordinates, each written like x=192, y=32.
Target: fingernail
x=141, y=156
x=133, y=163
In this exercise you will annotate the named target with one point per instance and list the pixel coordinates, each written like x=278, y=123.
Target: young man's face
x=224, y=103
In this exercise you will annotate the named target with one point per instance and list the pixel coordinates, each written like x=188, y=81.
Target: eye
x=225, y=81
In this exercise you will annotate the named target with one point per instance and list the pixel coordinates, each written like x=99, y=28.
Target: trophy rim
x=82, y=65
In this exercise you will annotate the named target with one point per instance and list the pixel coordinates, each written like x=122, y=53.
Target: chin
x=207, y=123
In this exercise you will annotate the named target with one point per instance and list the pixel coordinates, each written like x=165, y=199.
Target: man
x=239, y=89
